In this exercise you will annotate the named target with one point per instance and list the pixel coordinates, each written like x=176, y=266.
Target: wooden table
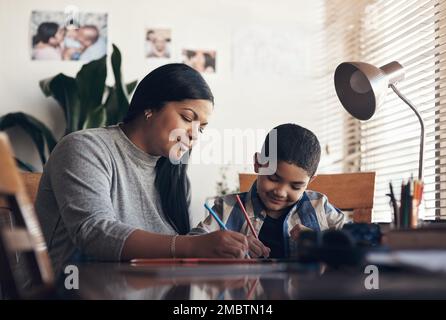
x=266, y=281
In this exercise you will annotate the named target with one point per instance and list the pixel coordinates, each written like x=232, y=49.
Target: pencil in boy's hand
x=246, y=217
x=212, y=212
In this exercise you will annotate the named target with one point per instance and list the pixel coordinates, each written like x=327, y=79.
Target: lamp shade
x=362, y=87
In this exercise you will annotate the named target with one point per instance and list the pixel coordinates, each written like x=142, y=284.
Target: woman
x=47, y=42
x=118, y=193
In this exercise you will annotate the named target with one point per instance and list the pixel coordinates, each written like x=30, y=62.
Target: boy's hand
x=294, y=233
x=256, y=248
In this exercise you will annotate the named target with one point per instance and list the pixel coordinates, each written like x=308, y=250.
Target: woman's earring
x=148, y=114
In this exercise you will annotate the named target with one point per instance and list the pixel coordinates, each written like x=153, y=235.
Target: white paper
x=430, y=260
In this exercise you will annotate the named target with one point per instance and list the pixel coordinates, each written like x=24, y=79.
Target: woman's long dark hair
x=45, y=31
x=171, y=82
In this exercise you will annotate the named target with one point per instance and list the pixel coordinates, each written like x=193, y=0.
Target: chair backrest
x=24, y=239
x=31, y=181
x=347, y=191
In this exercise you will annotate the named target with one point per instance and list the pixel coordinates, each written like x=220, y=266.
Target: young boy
x=278, y=204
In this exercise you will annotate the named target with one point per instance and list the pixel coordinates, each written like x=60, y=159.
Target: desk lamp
x=362, y=87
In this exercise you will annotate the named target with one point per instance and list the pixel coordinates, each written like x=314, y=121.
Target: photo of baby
x=158, y=43
x=53, y=37
x=201, y=60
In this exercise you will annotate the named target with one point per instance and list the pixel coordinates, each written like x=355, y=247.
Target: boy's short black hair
x=296, y=145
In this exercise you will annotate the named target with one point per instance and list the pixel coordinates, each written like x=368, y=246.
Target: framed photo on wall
x=158, y=43
x=57, y=35
x=201, y=60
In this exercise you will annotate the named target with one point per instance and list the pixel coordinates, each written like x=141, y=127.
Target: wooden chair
x=31, y=181
x=347, y=191
x=24, y=239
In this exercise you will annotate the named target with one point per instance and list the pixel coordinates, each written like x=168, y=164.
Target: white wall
x=241, y=102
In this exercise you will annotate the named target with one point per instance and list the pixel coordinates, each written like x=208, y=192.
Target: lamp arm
x=420, y=160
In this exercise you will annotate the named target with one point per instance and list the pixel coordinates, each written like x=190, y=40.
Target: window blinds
x=378, y=32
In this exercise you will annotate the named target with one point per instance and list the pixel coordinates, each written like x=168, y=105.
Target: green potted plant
x=86, y=100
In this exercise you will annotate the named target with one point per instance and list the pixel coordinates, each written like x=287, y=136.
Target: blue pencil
x=222, y=225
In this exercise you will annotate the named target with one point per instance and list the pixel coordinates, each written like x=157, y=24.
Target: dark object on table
x=364, y=234
x=333, y=247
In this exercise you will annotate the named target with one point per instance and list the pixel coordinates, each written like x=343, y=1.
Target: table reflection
x=279, y=281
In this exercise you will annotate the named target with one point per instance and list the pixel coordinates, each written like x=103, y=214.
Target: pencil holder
x=406, y=212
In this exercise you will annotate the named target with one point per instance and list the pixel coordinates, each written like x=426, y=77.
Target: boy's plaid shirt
x=312, y=210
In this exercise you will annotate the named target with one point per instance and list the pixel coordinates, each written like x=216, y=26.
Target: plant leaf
x=90, y=81
x=24, y=166
x=130, y=87
x=96, y=118
x=39, y=132
x=64, y=89
x=117, y=101
x=110, y=105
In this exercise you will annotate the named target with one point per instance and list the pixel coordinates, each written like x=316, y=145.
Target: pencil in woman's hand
x=212, y=212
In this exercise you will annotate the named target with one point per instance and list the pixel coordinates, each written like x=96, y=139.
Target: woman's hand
x=219, y=244
x=256, y=248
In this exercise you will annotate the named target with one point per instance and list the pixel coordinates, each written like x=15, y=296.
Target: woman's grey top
x=96, y=188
